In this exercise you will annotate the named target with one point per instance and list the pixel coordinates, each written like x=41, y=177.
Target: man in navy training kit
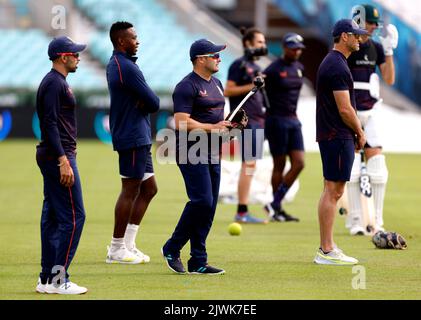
x=338, y=133
x=241, y=74
x=132, y=100
x=198, y=109
x=63, y=213
x=284, y=79
x=367, y=96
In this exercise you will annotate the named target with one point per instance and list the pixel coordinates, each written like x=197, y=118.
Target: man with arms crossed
x=131, y=103
x=339, y=133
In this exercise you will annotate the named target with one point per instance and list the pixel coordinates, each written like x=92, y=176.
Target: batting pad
x=377, y=170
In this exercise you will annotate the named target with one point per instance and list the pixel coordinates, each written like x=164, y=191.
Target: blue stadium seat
x=26, y=62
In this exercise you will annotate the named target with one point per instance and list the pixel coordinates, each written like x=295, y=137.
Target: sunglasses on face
x=355, y=35
x=75, y=55
x=210, y=55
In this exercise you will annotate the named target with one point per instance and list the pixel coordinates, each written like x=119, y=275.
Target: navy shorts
x=337, y=159
x=136, y=163
x=284, y=135
x=252, y=139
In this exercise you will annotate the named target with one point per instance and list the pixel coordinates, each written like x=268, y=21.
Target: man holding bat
x=198, y=112
x=363, y=66
x=339, y=133
x=241, y=75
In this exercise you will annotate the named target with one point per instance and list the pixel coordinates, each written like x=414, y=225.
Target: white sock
x=130, y=235
x=117, y=243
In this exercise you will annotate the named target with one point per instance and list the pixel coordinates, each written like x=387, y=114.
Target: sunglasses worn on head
x=210, y=55
x=73, y=54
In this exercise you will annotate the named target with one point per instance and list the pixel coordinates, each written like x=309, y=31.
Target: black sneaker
x=282, y=216
x=207, y=269
x=173, y=263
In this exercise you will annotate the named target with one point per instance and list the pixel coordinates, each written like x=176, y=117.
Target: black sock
x=242, y=208
x=323, y=251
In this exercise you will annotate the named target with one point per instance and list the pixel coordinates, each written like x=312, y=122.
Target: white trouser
x=370, y=122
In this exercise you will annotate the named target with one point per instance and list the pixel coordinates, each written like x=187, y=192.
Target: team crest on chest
x=283, y=74
x=203, y=93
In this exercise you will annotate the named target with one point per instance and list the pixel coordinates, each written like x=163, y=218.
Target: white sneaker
x=122, y=255
x=40, y=287
x=357, y=231
x=145, y=258
x=334, y=257
x=69, y=288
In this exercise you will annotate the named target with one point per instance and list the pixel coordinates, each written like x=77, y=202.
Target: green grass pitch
x=271, y=261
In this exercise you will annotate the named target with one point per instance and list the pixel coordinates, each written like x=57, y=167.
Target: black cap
x=347, y=25
x=204, y=46
x=63, y=44
x=293, y=41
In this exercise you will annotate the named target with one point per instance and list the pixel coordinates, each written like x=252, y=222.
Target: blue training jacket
x=132, y=100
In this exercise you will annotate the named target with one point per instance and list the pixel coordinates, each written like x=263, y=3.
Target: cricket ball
x=234, y=229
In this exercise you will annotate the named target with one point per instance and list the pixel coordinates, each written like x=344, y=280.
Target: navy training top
x=132, y=100
x=56, y=109
x=283, y=83
x=362, y=64
x=333, y=75
x=242, y=72
x=204, y=101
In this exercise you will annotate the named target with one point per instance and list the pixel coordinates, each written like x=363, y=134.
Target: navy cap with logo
x=347, y=26
x=62, y=45
x=203, y=46
x=293, y=41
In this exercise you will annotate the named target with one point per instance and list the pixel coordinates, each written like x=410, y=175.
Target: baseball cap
x=63, y=44
x=293, y=41
x=347, y=25
x=204, y=46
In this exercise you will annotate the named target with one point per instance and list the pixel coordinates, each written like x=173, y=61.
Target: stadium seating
x=24, y=62
x=321, y=15
x=164, y=43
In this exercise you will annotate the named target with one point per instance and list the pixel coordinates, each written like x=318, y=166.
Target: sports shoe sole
x=208, y=274
x=324, y=261
x=249, y=222
x=112, y=261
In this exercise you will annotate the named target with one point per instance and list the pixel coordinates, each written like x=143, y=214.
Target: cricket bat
x=366, y=195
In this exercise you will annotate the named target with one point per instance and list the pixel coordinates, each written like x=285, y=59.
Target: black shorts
x=337, y=159
x=284, y=135
x=136, y=163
